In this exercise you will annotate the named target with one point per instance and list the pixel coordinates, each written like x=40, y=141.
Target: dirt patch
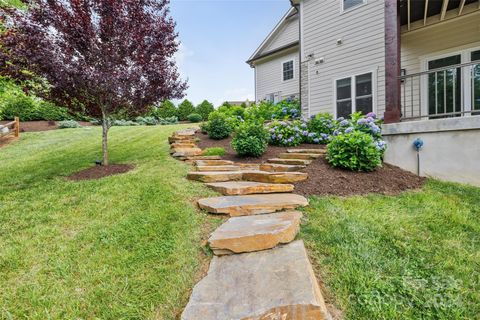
x=230, y=154
x=98, y=172
x=6, y=140
x=323, y=179
x=35, y=126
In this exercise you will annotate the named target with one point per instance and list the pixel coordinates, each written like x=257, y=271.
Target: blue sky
x=217, y=37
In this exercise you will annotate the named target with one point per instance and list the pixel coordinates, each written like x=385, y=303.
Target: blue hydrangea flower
x=274, y=136
x=312, y=116
x=361, y=121
x=349, y=129
x=304, y=125
x=324, y=136
x=280, y=136
x=305, y=133
x=272, y=130
x=344, y=123
x=316, y=140
x=336, y=133
x=381, y=145
x=340, y=119
x=311, y=134
x=370, y=120
x=375, y=129
x=371, y=115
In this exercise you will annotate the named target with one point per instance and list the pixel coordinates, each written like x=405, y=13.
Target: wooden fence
x=11, y=128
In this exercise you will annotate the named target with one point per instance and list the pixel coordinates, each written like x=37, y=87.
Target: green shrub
x=146, y=121
x=166, y=121
x=285, y=133
x=250, y=139
x=166, y=110
x=68, y=124
x=184, y=109
x=219, y=126
x=29, y=108
x=204, y=127
x=204, y=109
x=214, y=152
x=124, y=123
x=356, y=151
x=263, y=111
x=194, y=117
x=287, y=109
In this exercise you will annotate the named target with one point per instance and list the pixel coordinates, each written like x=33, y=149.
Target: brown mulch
x=323, y=179
x=98, y=172
x=35, y=126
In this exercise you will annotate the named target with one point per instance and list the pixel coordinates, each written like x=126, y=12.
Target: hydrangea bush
x=286, y=133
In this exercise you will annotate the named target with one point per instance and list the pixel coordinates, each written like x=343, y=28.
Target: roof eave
x=272, y=52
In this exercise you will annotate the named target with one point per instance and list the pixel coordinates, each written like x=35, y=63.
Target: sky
x=217, y=37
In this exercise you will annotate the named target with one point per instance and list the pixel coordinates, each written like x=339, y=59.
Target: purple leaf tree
x=99, y=57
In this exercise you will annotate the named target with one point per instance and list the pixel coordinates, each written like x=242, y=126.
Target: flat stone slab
x=303, y=156
x=187, y=132
x=181, y=139
x=277, y=284
x=218, y=168
x=249, y=187
x=186, y=152
x=236, y=206
x=215, y=176
x=290, y=161
x=275, y=167
x=274, y=177
x=183, y=145
x=318, y=151
x=213, y=162
x=192, y=159
x=255, y=233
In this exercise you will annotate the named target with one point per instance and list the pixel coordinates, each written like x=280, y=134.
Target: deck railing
x=452, y=91
x=11, y=128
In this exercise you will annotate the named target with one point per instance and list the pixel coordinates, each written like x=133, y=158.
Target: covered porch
x=432, y=59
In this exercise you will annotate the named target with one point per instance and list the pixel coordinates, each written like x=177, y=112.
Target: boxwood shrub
x=219, y=127
x=194, y=117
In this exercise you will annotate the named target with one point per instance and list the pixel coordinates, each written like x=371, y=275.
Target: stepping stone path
x=258, y=272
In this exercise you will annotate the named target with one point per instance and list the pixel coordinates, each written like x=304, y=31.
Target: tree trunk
x=105, y=127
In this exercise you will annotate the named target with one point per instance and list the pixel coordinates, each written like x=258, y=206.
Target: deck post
x=392, y=62
x=17, y=127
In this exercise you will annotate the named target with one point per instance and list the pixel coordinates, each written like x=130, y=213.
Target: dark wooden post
x=392, y=62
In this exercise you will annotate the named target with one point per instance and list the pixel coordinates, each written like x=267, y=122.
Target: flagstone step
x=318, y=151
x=192, y=159
x=181, y=139
x=186, y=152
x=255, y=233
x=265, y=285
x=252, y=204
x=217, y=168
x=304, y=156
x=215, y=176
x=248, y=187
x=248, y=166
x=290, y=161
x=187, y=132
x=213, y=162
x=274, y=177
x=183, y=145
x=275, y=167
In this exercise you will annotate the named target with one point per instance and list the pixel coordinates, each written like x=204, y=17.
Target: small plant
x=167, y=121
x=250, y=139
x=68, y=124
x=219, y=126
x=194, y=117
x=214, y=152
x=146, y=121
x=355, y=150
x=204, y=127
x=285, y=133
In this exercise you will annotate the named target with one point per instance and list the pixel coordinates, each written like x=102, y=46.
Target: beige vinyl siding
x=362, y=50
x=286, y=35
x=452, y=37
x=269, y=76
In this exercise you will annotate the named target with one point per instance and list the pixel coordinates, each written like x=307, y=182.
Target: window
x=288, y=70
x=354, y=94
x=348, y=4
x=476, y=82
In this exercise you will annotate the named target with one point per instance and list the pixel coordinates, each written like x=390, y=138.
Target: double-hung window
x=354, y=94
x=288, y=70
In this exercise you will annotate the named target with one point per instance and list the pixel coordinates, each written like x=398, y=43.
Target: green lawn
x=413, y=256
x=123, y=247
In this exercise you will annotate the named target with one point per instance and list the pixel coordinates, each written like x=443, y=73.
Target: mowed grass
x=122, y=247
x=412, y=256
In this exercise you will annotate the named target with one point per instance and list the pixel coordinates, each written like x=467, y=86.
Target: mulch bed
x=98, y=172
x=323, y=179
x=35, y=126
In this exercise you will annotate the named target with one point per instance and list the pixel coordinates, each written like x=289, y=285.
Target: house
x=416, y=62
x=277, y=61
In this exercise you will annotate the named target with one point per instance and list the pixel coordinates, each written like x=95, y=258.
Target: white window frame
x=466, y=94
x=354, y=88
x=343, y=10
x=281, y=68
